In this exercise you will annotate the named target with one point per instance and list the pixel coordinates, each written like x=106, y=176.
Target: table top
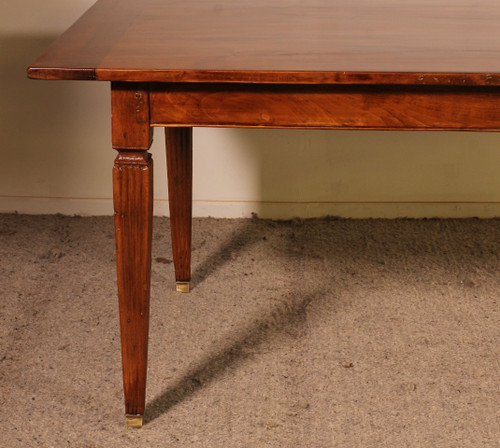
x=430, y=42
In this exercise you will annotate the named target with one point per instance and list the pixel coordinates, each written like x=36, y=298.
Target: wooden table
x=315, y=64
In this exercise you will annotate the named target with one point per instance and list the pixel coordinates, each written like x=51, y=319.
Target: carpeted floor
x=317, y=334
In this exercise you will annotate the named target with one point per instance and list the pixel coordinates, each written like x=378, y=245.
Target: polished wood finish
x=446, y=42
x=179, y=145
x=78, y=52
x=133, y=204
x=326, y=64
x=130, y=116
x=325, y=107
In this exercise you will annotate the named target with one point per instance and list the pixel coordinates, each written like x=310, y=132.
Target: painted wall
x=56, y=156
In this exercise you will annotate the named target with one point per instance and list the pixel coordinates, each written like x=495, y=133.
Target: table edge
x=265, y=77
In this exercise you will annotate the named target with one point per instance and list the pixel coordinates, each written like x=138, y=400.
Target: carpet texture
x=317, y=333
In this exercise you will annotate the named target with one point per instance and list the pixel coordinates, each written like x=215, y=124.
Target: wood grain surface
x=133, y=204
x=130, y=116
x=450, y=42
x=179, y=147
x=326, y=107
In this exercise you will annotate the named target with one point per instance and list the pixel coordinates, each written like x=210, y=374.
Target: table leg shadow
x=286, y=317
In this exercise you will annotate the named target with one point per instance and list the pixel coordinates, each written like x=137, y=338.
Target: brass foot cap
x=134, y=421
x=182, y=286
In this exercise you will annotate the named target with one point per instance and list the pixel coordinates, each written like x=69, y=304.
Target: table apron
x=325, y=107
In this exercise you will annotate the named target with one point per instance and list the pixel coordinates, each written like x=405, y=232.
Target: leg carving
x=179, y=145
x=133, y=204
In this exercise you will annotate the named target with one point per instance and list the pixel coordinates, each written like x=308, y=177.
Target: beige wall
x=56, y=155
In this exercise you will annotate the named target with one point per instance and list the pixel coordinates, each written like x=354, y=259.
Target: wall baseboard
x=272, y=210
x=51, y=206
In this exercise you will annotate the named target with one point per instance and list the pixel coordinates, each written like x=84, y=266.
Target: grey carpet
x=317, y=333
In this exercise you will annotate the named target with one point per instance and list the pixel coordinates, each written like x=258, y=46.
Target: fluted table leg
x=133, y=204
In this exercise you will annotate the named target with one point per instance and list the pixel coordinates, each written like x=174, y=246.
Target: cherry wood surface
x=179, y=146
x=130, y=118
x=133, y=204
x=445, y=42
x=133, y=207
x=326, y=107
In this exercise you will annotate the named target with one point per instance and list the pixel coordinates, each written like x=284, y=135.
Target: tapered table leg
x=179, y=145
x=133, y=203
